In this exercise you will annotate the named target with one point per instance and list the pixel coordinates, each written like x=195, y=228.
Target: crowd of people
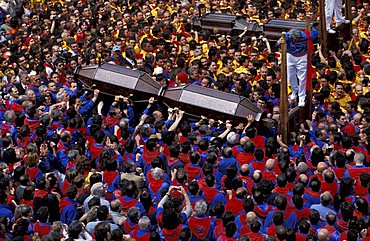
x=77, y=164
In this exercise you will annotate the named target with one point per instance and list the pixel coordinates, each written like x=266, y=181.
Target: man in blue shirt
x=296, y=43
x=324, y=207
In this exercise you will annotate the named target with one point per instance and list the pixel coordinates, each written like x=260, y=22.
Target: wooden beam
x=348, y=14
x=347, y=9
x=323, y=32
x=284, y=92
x=308, y=112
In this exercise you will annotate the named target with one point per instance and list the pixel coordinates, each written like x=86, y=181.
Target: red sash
x=172, y=235
x=199, y=226
x=145, y=237
x=109, y=177
x=209, y=194
x=42, y=230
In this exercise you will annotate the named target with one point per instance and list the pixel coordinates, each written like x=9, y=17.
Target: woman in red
x=32, y=170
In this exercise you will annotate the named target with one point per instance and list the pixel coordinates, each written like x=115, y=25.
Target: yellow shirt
x=236, y=64
x=241, y=69
x=342, y=101
x=224, y=71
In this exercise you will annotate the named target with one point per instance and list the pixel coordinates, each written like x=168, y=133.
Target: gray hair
x=55, y=114
x=9, y=116
x=295, y=33
x=157, y=173
x=192, y=70
x=200, y=208
x=22, y=98
x=124, y=123
x=144, y=223
x=360, y=157
x=326, y=198
x=60, y=95
x=302, y=167
x=72, y=154
x=45, y=118
x=115, y=205
x=42, y=88
x=32, y=147
x=98, y=189
x=22, y=74
x=232, y=138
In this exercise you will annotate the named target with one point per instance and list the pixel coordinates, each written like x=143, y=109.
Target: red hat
x=183, y=78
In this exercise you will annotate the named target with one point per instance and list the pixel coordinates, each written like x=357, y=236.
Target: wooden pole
x=347, y=9
x=348, y=14
x=309, y=76
x=284, y=92
x=323, y=33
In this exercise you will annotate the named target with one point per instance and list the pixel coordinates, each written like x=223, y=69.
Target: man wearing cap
x=296, y=42
x=116, y=56
x=334, y=7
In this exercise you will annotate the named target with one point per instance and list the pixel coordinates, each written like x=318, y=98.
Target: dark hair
x=101, y=231
x=43, y=214
x=74, y=229
x=170, y=219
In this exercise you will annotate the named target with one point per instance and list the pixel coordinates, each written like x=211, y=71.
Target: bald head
x=323, y=235
x=243, y=140
x=321, y=167
x=257, y=175
x=302, y=167
x=250, y=217
x=326, y=198
x=115, y=205
x=328, y=175
x=357, y=119
x=303, y=179
x=157, y=115
x=270, y=164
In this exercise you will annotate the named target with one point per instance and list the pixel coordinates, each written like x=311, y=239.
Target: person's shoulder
x=113, y=226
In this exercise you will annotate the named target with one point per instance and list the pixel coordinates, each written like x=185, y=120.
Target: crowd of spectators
x=77, y=164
